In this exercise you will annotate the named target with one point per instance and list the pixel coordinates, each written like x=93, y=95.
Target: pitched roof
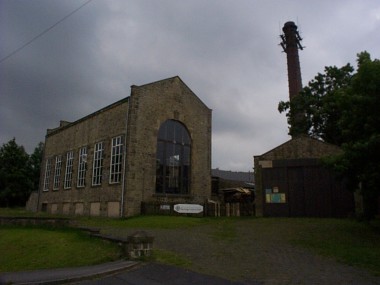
x=301, y=147
x=171, y=80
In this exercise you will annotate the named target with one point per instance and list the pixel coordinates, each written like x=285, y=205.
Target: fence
x=210, y=209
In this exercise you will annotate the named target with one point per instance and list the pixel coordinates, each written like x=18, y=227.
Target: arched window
x=173, y=159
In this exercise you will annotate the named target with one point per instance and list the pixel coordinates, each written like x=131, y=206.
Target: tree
x=341, y=107
x=319, y=105
x=360, y=123
x=35, y=160
x=15, y=182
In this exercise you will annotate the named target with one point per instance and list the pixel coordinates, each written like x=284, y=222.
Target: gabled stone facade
x=132, y=124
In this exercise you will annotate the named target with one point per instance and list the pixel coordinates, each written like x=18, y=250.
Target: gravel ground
x=252, y=253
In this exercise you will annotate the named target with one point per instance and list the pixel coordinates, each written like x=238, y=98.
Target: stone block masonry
x=77, y=152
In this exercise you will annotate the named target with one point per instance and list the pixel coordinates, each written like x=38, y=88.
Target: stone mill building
x=151, y=147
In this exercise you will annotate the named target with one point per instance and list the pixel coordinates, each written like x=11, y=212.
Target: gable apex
x=174, y=81
x=169, y=79
x=301, y=147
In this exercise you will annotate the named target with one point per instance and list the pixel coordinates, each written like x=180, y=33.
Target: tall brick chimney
x=291, y=42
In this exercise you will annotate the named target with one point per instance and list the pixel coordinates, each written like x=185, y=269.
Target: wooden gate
x=304, y=188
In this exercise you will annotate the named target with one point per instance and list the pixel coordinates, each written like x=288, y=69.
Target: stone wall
x=100, y=126
x=137, y=119
x=32, y=203
x=152, y=105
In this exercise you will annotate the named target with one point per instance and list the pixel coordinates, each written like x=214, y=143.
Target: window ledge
x=171, y=195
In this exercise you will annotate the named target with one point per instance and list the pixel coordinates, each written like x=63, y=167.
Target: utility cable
x=43, y=32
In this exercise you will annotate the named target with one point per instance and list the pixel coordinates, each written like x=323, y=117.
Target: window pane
x=57, y=172
x=173, y=158
x=186, y=137
x=116, y=160
x=97, y=171
x=69, y=170
x=47, y=174
x=186, y=155
x=162, y=132
x=82, y=167
x=170, y=130
x=160, y=162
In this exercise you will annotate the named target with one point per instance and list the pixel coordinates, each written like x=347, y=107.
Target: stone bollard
x=139, y=244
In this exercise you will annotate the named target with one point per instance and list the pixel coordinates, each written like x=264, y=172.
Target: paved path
x=64, y=275
x=255, y=251
x=156, y=274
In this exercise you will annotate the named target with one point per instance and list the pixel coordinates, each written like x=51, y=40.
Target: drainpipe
x=42, y=180
x=123, y=187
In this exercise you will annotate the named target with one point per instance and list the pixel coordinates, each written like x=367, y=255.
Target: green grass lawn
x=146, y=222
x=18, y=212
x=348, y=241
x=29, y=248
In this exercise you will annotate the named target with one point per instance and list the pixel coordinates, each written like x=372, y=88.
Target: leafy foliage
x=19, y=173
x=341, y=107
x=319, y=103
x=35, y=164
x=360, y=123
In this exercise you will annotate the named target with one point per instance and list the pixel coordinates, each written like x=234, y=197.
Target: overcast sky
x=227, y=52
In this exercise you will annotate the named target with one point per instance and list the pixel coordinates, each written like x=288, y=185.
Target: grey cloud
x=226, y=51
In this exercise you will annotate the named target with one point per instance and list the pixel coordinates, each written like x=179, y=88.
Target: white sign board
x=188, y=208
x=165, y=207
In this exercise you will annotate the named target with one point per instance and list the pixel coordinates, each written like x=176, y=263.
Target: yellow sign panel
x=275, y=198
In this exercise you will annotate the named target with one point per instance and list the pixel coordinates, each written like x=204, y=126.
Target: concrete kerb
x=65, y=275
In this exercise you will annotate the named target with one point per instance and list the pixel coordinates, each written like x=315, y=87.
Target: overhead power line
x=43, y=32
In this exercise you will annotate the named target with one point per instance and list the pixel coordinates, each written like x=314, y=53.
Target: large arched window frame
x=173, y=159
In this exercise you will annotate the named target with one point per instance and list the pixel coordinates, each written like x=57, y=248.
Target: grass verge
x=171, y=258
x=348, y=241
x=145, y=222
x=225, y=229
x=20, y=212
x=30, y=248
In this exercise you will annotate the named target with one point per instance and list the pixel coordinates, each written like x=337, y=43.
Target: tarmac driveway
x=156, y=274
x=257, y=252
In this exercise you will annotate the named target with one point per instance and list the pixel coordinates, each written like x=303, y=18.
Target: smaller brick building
x=153, y=146
x=291, y=181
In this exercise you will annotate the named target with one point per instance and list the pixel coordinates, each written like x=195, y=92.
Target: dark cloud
x=226, y=51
